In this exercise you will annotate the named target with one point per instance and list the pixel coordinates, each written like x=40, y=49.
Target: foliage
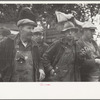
x=46, y=12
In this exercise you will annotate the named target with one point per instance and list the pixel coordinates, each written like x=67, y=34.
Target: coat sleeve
x=37, y=57
x=82, y=60
x=44, y=48
x=49, y=55
x=91, y=62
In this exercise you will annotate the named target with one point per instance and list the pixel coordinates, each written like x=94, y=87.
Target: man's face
x=89, y=33
x=26, y=31
x=38, y=37
x=70, y=34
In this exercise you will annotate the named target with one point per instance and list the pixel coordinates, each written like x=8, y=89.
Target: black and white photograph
x=48, y=44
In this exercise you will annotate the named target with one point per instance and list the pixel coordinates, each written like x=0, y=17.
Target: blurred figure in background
x=4, y=33
x=38, y=37
x=90, y=54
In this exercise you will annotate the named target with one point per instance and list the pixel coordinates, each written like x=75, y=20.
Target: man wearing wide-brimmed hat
x=90, y=54
x=60, y=57
x=19, y=56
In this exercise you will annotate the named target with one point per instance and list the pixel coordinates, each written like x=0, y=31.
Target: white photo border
x=49, y=90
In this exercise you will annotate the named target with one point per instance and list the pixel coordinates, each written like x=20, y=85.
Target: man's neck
x=23, y=39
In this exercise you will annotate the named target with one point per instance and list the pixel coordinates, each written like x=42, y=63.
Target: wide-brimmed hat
x=69, y=25
x=88, y=25
x=26, y=16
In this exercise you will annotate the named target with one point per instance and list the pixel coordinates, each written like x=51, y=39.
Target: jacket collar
x=67, y=43
x=16, y=37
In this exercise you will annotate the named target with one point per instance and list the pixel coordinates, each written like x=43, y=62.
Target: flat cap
x=26, y=22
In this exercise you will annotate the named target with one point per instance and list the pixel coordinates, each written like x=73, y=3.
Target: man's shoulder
x=79, y=41
x=56, y=44
x=12, y=36
x=5, y=40
x=58, y=41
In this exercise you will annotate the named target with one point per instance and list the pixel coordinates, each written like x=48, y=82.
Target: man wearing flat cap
x=19, y=56
x=90, y=54
x=60, y=57
x=39, y=38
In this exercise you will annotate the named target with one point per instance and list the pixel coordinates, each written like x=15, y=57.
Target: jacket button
x=26, y=57
x=17, y=51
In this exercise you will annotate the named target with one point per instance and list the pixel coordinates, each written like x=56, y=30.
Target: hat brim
x=26, y=22
x=90, y=28
x=76, y=29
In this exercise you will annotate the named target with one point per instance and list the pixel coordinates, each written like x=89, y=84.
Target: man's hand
x=42, y=74
x=97, y=61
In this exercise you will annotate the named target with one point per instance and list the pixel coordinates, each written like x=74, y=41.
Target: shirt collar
x=17, y=40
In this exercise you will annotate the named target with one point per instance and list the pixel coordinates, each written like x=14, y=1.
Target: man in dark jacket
x=19, y=56
x=38, y=37
x=60, y=58
x=90, y=54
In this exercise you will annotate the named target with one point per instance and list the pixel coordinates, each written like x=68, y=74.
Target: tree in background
x=46, y=12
